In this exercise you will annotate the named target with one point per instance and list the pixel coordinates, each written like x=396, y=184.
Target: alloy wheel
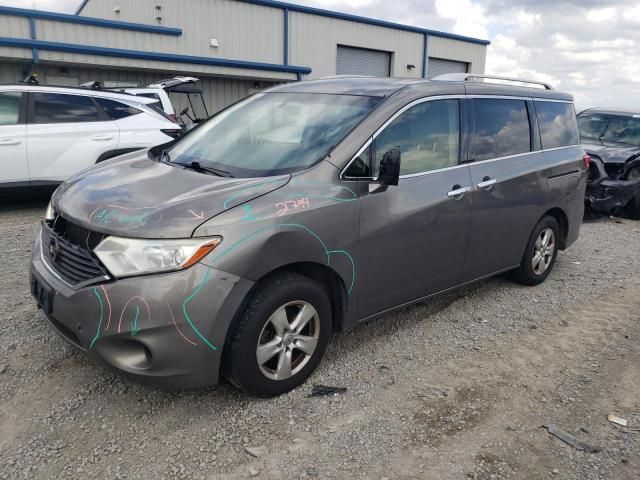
x=543, y=251
x=288, y=340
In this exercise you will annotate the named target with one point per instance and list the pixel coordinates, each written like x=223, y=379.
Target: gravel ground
x=455, y=388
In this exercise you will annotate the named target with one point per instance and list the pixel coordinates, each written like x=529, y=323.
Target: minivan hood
x=142, y=198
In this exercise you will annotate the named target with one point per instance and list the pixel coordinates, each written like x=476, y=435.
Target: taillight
x=586, y=159
x=172, y=132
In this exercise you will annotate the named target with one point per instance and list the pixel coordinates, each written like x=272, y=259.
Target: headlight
x=125, y=257
x=50, y=214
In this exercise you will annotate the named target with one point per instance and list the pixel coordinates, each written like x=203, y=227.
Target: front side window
x=624, y=130
x=558, y=125
x=61, y=108
x=273, y=133
x=592, y=127
x=502, y=128
x=428, y=136
x=10, y=108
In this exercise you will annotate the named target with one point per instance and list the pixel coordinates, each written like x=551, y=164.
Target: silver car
x=302, y=211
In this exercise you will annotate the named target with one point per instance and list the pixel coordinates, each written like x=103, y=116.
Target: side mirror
x=390, y=168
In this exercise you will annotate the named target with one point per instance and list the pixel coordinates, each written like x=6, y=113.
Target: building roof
x=292, y=7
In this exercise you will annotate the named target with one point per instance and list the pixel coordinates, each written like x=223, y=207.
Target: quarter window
x=116, y=110
x=502, y=128
x=558, y=125
x=58, y=108
x=10, y=108
x=428, y=136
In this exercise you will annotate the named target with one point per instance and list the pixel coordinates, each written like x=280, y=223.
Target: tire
x=528, y=273
x=262, y=325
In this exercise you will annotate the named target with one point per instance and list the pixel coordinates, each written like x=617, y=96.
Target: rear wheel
x=280, y=338
x=540, y=255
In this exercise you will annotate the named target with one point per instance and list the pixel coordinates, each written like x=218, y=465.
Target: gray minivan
x=301, y=211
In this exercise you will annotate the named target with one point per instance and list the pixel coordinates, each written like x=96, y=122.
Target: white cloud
x=602, y=15
x=469, y=18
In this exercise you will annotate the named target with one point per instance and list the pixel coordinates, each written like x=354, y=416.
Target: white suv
x=49, y=133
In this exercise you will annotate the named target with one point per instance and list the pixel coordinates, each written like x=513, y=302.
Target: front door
x=67, y=133
x=413, y=237
x=13, y=143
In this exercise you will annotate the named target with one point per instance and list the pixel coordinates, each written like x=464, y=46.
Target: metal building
x=235, y=46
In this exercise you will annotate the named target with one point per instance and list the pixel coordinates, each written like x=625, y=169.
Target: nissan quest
x=301, y=211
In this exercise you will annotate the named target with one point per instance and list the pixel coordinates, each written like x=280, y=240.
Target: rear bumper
x=167, y=329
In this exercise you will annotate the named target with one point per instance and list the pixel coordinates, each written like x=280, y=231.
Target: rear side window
x=558, y=124
x=60, y=108
x=502, y=128
x=117, y=110
x=428, y=136
x=593, y=126
x=10, y=108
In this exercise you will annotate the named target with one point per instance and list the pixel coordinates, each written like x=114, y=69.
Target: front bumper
x=165, y=329
x=606, y=195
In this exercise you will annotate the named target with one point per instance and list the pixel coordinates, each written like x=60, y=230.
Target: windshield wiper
x=201, y=168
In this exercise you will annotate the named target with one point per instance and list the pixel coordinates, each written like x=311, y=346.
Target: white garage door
x=438, y=66
x=360, y=61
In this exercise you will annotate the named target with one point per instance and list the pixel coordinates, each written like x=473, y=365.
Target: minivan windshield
x=273, y=133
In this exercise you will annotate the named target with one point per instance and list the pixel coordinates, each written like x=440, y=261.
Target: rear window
x=60, y=108
x=10, y=108
x=502, y=128
x=117, y=110
x=558, y=124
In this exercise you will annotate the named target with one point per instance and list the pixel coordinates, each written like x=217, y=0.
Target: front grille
x=67, y=253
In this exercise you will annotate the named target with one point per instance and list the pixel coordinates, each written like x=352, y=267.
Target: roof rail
x=469, y=77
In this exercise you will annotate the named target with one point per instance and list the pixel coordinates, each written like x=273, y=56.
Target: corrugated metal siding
x=446, y=48
x=314, y=42
x=244, y=31
x=438, y=66
x=360, y=61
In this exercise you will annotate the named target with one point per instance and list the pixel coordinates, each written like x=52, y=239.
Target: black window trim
x=31, y=115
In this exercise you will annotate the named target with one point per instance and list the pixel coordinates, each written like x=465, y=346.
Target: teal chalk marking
x=134, y=324
x=353, y=267
x=186, y=315
x=95, y=292
x=239, y=242
x=248, y=213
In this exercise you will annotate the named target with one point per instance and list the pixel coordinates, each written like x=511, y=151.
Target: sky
x=586, y=47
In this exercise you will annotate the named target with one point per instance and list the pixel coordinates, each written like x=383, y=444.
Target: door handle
x=102, y=138
x=458, y=192
x=10, y=141
x=487, y=183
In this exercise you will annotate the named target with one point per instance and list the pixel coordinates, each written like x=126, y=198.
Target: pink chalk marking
x=197, y=216
x=131, y=208
x=176, y=325
x=108, y=303
x=125, y=308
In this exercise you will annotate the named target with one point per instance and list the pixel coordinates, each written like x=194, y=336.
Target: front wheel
x=280, y=338
x=540, y=255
